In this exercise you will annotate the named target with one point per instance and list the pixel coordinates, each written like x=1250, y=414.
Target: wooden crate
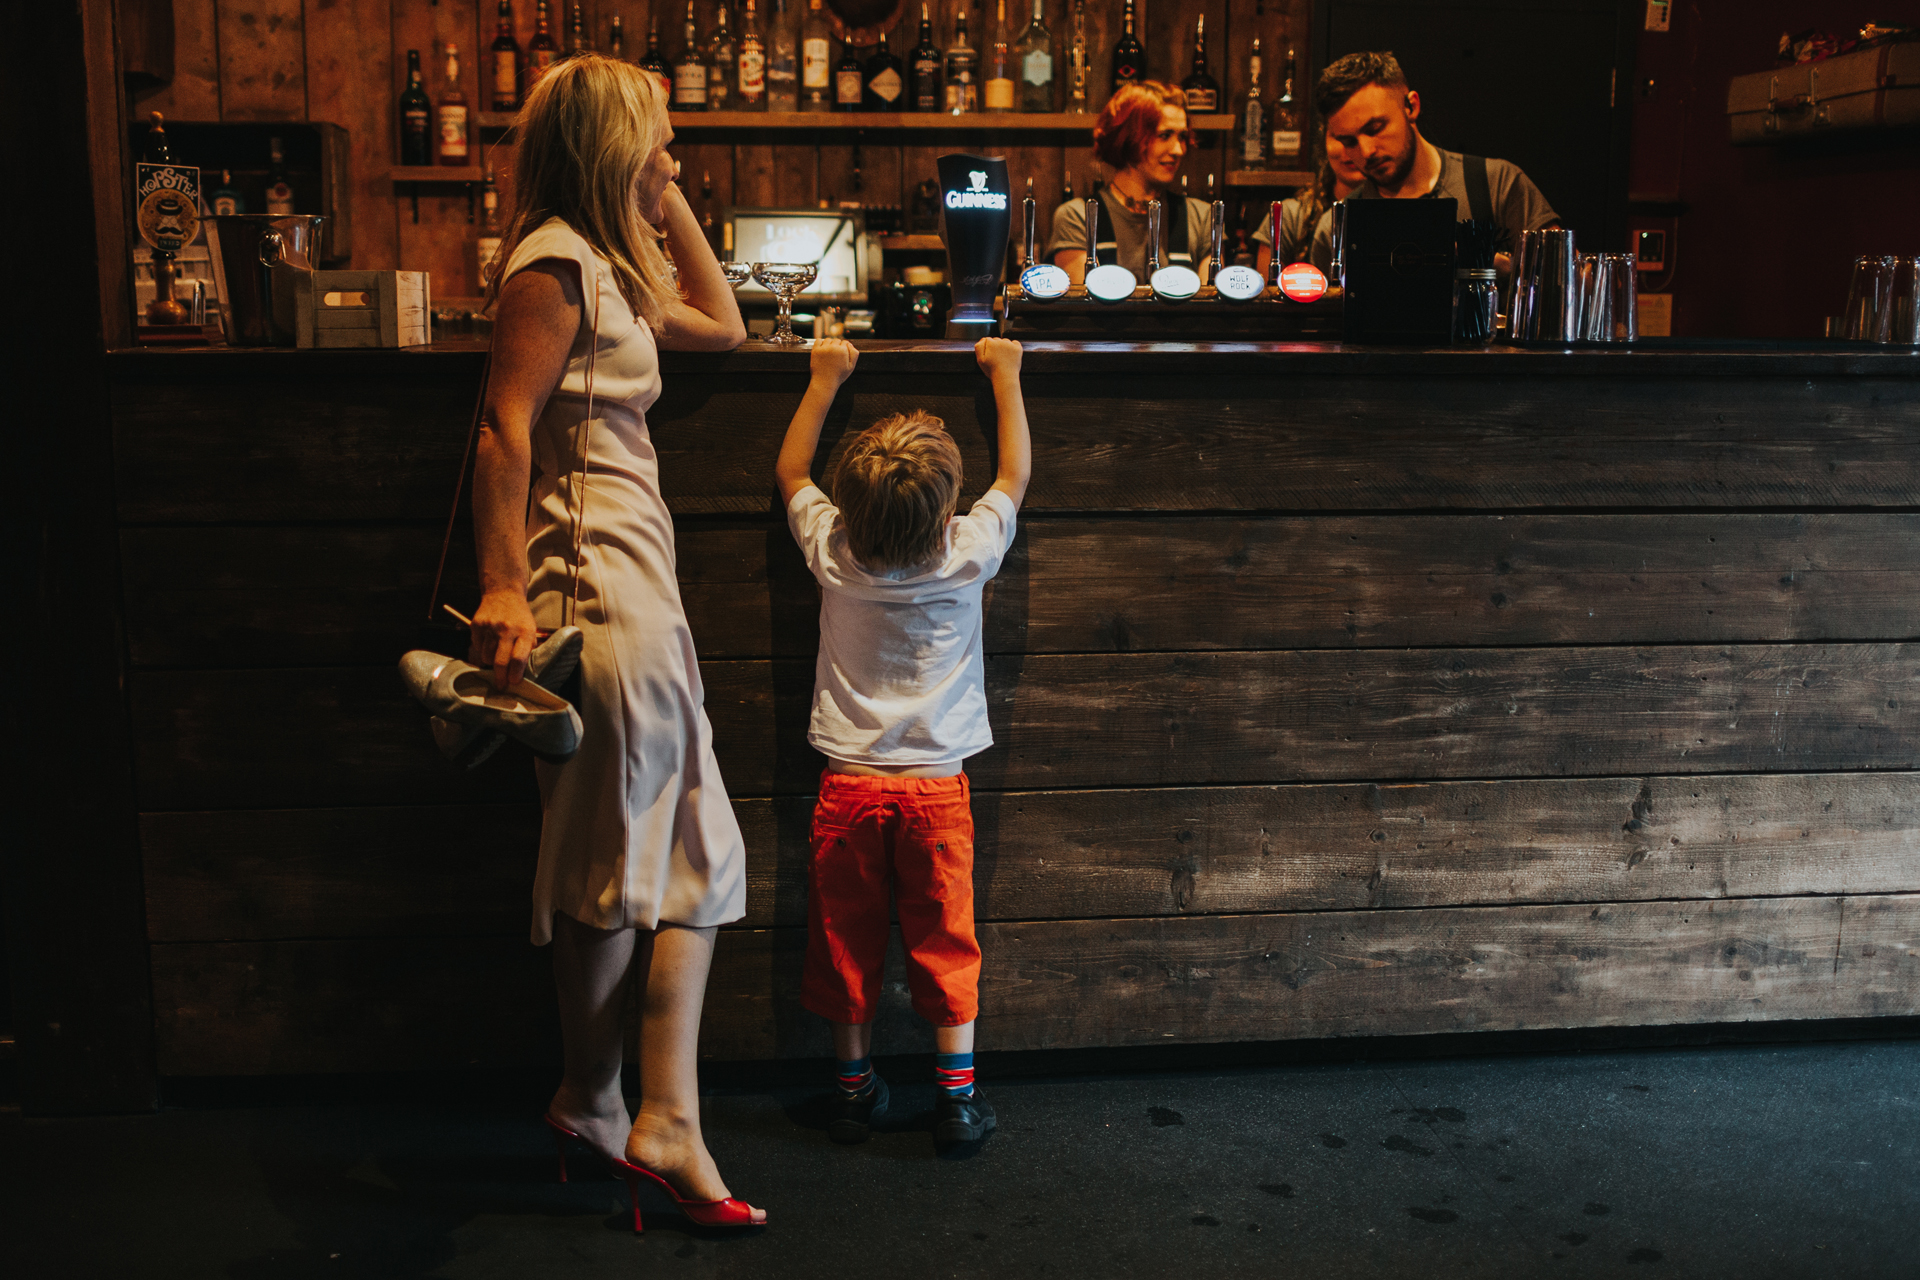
x=364, y=309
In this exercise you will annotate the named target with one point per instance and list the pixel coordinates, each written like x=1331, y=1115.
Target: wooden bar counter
x=1335, y=692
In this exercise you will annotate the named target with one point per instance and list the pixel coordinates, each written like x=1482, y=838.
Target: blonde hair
x=896, y=486
x=585, y=132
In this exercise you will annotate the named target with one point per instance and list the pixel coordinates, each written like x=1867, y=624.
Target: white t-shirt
x=900, y=679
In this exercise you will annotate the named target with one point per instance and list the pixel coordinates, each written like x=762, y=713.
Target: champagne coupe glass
x=737, y=273
x=785, y=281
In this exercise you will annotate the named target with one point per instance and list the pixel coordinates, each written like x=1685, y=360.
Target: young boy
x=899, y=702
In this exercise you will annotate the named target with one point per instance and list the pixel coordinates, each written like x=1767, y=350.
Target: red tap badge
x=1302, y=282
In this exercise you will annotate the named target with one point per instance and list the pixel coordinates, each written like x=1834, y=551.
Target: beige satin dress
x=637, y=827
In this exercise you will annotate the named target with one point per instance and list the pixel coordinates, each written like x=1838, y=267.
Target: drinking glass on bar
x=785, y=281
x=1906, y=303
x=1613, y=298
x=1869, y=313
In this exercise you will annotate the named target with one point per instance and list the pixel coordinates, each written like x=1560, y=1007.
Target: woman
x=1142, y=135
x=640, y=857
x=1337, y=177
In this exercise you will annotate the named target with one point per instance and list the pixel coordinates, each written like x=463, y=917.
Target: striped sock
x=953, y=1072
x=856, y=1077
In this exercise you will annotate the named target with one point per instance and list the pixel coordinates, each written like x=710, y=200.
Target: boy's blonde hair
x=896, y=487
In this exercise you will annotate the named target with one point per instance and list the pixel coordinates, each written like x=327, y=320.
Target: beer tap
x=1170, y=283
x=1039, y=280
x=1234, y=283
x=1111, y=282
x=1273, y=229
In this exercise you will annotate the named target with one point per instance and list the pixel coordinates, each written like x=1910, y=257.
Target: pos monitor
x=834, y=240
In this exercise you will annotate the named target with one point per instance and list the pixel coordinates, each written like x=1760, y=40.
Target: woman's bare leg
x=591, y=969
x=666, y=1134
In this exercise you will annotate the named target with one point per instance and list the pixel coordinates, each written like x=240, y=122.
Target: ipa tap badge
x=169, y=209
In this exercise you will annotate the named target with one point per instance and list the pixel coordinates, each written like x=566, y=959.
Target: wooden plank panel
x=194, y=93
x=263, y=72
x=349, y=70
x=353, y=594
x=294, y=873
x=272, y=1008
x=1096, y=983
x=1101, y=443
x=350, y=736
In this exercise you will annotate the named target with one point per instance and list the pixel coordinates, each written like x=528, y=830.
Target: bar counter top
x=1660, y=357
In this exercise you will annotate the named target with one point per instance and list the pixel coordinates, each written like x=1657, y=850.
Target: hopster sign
x=168, y=210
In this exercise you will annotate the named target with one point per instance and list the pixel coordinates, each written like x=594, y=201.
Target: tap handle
x=1031, y=218
x=1155, y=216
x=1093, y=233
x=1219, y=236
x=1273, y=230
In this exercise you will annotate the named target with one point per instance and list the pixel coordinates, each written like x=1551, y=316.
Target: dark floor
x=1795, y=1160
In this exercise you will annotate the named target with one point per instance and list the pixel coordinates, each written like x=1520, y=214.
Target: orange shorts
x=915, y=836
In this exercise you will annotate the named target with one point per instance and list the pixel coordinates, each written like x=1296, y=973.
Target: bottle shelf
x=435, y=173
x=1270, y=178
x=904, y=121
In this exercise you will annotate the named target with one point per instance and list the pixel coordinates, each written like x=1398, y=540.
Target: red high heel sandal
x=706, y=1213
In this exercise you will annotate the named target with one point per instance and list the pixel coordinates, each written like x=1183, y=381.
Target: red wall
x=1763, y=248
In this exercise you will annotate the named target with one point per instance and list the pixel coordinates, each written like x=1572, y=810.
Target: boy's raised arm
x=1000, y=360
x=832, y=363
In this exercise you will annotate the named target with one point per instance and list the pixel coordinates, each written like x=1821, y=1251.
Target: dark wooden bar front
x=1335, y=693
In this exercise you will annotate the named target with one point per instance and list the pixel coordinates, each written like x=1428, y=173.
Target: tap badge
x=976, y=196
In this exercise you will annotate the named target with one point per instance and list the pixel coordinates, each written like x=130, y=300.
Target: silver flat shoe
x=463, y=695
x=552, y=663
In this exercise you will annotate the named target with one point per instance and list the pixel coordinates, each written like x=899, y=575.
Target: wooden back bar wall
x=1334, y=694
x=346, y=62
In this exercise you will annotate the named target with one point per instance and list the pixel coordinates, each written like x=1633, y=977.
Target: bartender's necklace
x=1128, y=202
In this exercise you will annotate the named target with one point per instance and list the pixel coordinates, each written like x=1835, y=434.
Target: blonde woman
x=640, y=857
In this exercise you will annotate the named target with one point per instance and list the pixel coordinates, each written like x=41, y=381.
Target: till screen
x=827, y=240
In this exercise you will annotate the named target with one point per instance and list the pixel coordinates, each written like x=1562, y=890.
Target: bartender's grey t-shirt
x=1128, y=231
x=1517, y=204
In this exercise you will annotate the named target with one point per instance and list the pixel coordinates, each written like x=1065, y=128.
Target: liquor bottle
x=690, y=73
x=816, y=63
x=577, y=41
x=617, y=40
x=279, y=190
x=885, y=84
x=1079, y=71
x=506, y=63
x=541, y=52
x=1035, y=52
x=963, y=94
x=750, y=74
x=783, y=62
x=226, y=199
x=654, y=62
x=1203, y=91
x=924, y=64
x=416, y=117
x=1129, y=58
x=1286, y=121
x=1253, y=117
x=849, y=79
x=487, y=243
x=998, y=90
x=453, y=117
x=722, y=74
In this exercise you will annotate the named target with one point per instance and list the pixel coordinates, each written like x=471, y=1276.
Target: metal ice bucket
x=260, y=258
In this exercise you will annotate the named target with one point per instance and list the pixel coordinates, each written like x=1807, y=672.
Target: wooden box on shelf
x=363, y=309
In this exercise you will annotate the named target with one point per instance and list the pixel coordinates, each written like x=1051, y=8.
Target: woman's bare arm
x=536, y=321
x=708, y=318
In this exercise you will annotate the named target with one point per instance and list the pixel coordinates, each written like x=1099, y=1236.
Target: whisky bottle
x=923, y=65
x=226, y=198
x=1286, y=121
x=1079, y=72
x=541, y=51
x=750, y=75
x=506, y=63
x=1129, y=58
x=1252, y=152
x=816, y=61
x=998, y=90
x=453, y=117
x=617, y=40
x=1036, y=63
x=690, y=73
x=654, y=62
x=722, y=75
x=416, y=117
x=1203, y=91
x=885, y=85
x=279, y=190
x=849, y=79
x=783, y=61
x=577, y=41
x=963, y=93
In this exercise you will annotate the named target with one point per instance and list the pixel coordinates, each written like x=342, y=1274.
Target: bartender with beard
x=1375, y=117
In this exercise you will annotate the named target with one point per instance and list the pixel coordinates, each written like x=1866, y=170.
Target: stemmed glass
x=785, y=281
x=737, y=273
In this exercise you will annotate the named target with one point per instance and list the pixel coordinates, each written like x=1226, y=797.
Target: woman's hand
x=832, y=361
x=503, y=635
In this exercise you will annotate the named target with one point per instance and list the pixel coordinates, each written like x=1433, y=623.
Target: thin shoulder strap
x=460, y=482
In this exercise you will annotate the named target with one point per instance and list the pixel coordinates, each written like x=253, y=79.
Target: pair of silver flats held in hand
x=471, y=718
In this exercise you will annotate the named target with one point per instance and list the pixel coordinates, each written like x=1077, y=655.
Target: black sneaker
x=853, y=1117
x=967, y=1119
